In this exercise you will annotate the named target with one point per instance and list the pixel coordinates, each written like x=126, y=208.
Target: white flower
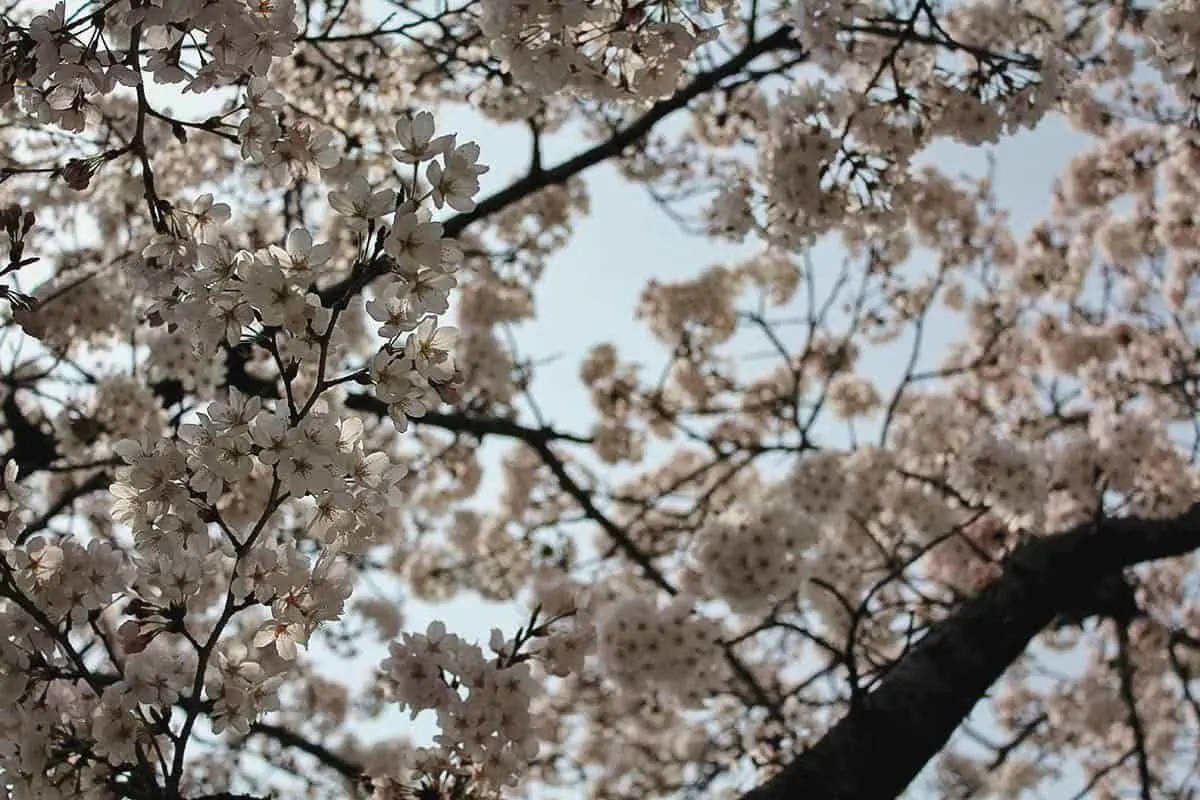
x=302, y=255
x=300, y=151
x=303, y=472
x=431, y=349
x=116, y=733
x=259, y=94
x=456, y=183
x=414, y=244
x=360, y=204
x=206, y=216
x=277, y=298
x=19, y=495
x=270, y=433
x=395, y=308
x=172, y=250
x=234, y=415
x=417, y=144
x=431, y=291
x=284, y=636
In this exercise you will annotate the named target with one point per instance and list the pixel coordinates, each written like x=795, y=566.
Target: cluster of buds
x=78, y=172
x=16, y=223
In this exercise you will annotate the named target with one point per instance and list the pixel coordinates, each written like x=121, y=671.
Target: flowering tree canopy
x=239, y=428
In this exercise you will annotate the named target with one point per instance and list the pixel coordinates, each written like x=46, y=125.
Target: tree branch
x=33, y=447
x=478, y=426
x=343, y=766
x=876, y=750
x=1129, y=697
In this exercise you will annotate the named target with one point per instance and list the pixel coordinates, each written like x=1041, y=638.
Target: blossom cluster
x=245, y=466
x=1000, y=473
x=569, y=636
x=606, y=49
x=490, y=726
x=483, y=704
x=61, y=68
x=755, y=554
x=1174, y=32
x=645, y=647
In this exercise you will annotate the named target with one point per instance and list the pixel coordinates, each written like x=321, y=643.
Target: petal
x=423, y=127
x=299, y=241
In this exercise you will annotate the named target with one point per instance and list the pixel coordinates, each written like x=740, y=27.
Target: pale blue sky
x=591, y=288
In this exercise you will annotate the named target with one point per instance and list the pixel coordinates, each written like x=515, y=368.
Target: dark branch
x=343, y=766
x=478, y=426
x=33, y=447
x=1129, y=697
x=876, y=750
